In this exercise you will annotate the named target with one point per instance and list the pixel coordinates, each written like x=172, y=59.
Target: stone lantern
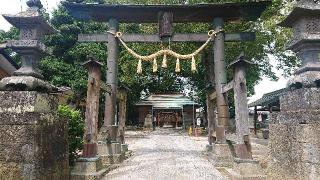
x=33, y=27
x=305, y=21
x=38, y=148
x=294, y=143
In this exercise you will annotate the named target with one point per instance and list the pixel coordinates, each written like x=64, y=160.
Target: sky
x=15, y=6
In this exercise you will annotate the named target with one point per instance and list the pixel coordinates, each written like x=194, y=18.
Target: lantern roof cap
x=304, y=8
x=240, y=61
x=91, y=61
x=34, y=3
x=32, y=16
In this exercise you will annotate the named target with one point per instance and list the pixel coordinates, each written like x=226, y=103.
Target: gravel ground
x=165, y=154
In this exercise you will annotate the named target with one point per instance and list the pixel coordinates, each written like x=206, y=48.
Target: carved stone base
x=124, y=148
x=209, y=148
x=108, y=134
x=25, y=83
x=147, y=129
x=243, y=151
x=112, y=159
x=88, y=169
x=109, y=148
x=246, y=170
x=222, y=155
x=110, y=153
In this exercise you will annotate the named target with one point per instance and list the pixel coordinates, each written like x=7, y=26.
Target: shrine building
x=168, y=110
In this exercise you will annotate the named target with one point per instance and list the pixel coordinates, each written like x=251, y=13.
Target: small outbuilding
x=268, y=103
x=168, y=110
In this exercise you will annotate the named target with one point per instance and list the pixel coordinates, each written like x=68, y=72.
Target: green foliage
x=64, y=68
x=75, y=130
x=11, y=34
x=61, y=73
x=271, y=39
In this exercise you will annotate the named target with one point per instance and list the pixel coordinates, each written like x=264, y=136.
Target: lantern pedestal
x=307, y=79
x=294, y=136
x=25, y=83
x=34, y=140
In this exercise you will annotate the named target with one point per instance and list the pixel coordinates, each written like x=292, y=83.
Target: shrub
x=75, y=130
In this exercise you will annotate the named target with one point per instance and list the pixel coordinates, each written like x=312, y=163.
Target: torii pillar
x=108, y=147
x=220, y=79
x=112, y=75
x=222, y=153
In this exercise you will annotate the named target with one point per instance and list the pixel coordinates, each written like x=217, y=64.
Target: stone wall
x=33, y=140
x=295, y=136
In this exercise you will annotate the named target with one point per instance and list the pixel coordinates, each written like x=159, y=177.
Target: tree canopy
x=63, y=67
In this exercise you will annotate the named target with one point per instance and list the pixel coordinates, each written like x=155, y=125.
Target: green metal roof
x=269, y=98
x=167, y=101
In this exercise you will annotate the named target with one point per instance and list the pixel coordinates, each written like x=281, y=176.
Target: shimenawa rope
x=165, y=53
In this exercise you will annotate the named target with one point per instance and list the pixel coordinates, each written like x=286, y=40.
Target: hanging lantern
x=178, y=65
x=193, y=65
x=155, y=65
x=164, y=62
x=139, y=68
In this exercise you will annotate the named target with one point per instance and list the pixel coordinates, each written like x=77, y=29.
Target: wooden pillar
x=92, y=108
x=193, y=120
x=243, y=146
x=112, y=74
x=122, y=114
x=211, y=119
x=209, y=65
x=255, y=120
x=220, y=80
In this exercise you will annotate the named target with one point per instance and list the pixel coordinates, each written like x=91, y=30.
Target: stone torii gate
x=165, y=16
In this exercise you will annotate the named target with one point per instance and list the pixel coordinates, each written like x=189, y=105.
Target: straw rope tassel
x=178, y=65
x=139, y=68
x=164, y=62
x=193, y=65
x=155, y=65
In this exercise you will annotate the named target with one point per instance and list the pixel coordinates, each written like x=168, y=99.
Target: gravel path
x=165, y=154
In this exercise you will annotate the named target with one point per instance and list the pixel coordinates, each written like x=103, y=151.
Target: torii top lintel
x=181, y=13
